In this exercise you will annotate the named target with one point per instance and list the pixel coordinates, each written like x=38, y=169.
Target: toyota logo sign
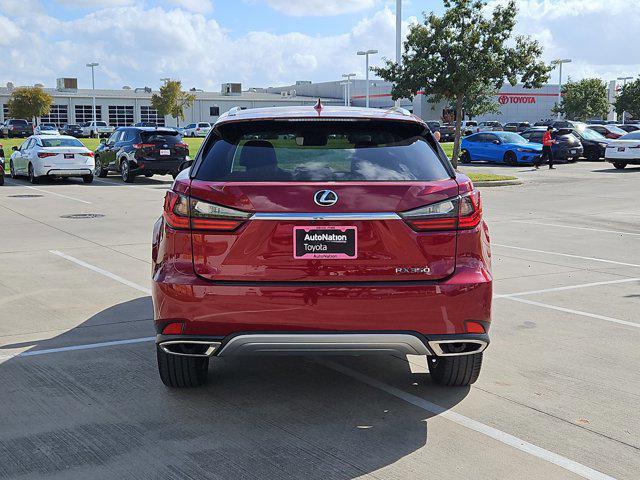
x=325, y=198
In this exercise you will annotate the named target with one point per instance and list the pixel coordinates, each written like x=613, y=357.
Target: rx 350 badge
x=412, y=270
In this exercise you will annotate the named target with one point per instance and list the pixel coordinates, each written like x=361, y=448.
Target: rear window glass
x=631, y=136
x=101, y=124
x=169, y=138
x=18, y=122
x=320, y=152
x=206, y=125
x=61, y=142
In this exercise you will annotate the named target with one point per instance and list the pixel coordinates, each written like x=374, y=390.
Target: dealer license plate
x=165, y=152
x=319, y=242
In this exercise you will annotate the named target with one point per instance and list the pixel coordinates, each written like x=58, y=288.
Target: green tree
x=29, y=102
x=583, y=100
x=629, y=99
x=465, y=50
x=172, y=100
x=480, y=100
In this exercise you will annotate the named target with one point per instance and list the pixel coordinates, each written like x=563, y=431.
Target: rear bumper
x=157, y=166
x=69, y=172
x=345, y=343
x=220, y=309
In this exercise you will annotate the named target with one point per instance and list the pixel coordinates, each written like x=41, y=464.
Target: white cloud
x=599, y=36
x=304, y=8
x=196, y=6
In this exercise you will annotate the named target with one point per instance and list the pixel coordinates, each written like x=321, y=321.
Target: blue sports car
x=499, y=147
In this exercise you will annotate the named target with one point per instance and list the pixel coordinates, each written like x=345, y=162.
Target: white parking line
x=528, y=222
x=51, y=193
x=568, y=287
x=575, y=312
x=101, y=271
x=86, y=346
x=566, y=255
x=499, y=435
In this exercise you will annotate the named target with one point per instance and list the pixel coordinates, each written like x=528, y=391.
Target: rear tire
x=457, y=371
x=12, y=170
x=100, y=171
x=1, y=178
x=510, y=159
x=619, y=165
x=465, y=157
x=32, y=175
x=177, y=371
x=125, y=171
x=87, y=179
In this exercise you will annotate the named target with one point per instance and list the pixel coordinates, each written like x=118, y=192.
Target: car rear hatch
x=161, y=146
x=321, y=202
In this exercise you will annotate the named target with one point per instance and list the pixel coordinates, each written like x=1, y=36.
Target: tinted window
x=204, y=125
x=61, y=142
x=321, y=151
x=101, y=124
x=509, y=137
x=164, y=137
x=18, y=122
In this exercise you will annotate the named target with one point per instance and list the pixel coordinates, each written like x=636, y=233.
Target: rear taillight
x=185, y=213
x=142, y=145
x=182, y=145
x=633, y=146
x=86, y=154
x=458, y=213
x=46, y=154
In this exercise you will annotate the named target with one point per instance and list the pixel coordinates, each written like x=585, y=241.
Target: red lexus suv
x=321, y=230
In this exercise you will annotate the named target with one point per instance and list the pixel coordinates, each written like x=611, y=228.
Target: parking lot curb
x=498, y=183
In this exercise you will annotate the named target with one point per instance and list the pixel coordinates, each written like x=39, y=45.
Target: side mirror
x=14, y=148
x=103, y=140
x=497, y=142
x=186, y=164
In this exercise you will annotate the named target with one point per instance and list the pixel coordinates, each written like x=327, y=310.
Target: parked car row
x=129, y=151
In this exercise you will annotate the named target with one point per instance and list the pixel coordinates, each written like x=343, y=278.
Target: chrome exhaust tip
x=190, y=348
x=451, y=348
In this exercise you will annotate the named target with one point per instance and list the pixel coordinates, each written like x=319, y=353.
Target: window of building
x=84, y=113
x=150, y=114
x=120, y=115
x=214, y=111
x=5, y=111
x=58, y=114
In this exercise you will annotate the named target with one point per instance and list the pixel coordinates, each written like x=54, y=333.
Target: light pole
x=559, y=62
x=398, y=37
x=366, y=53
x=348, y=77
x=624, y=84
x=344, y=87
x=93, y=88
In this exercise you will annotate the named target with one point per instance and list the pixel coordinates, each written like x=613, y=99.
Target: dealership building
x=128, y=105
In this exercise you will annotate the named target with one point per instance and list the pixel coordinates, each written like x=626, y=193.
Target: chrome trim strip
x=326, y=216
x=321, y=343
x=435, y=346
x=213, y=346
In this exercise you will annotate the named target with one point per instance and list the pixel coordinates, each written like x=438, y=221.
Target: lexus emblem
x=325, y=198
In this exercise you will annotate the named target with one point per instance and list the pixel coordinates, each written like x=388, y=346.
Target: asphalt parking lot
x=557, y=397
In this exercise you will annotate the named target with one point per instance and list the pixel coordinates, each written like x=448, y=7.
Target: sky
x=273, y=42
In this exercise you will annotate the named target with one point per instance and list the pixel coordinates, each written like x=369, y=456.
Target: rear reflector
x=458, y=213
x=172, y=329
x=185, y=213
x=475, y=327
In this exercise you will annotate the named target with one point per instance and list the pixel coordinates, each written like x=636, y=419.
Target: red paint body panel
x=247, y=280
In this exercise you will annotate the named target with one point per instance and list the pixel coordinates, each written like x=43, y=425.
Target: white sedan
x=46, y=129
x=624, y=150
x=42, y=156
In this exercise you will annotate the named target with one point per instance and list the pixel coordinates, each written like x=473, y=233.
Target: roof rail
x=400, y=110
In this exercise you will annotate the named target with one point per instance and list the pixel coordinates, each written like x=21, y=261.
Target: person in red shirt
x=547, y=143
